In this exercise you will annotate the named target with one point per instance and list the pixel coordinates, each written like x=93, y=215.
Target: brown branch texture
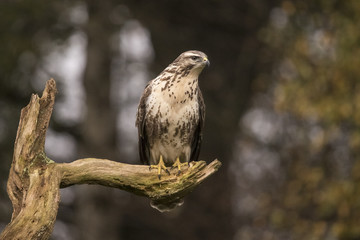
x=35, y=180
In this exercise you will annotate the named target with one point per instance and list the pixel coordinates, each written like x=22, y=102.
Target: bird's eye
x=194, y=57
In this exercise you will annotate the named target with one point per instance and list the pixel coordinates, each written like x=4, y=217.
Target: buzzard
x=171, y=113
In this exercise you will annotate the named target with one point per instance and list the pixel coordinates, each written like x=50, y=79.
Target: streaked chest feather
x=173, y=112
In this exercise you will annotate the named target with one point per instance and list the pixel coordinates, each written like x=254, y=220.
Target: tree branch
x=34, y=180
x=137, y=179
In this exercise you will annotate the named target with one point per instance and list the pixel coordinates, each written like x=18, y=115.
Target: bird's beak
x=207, y=62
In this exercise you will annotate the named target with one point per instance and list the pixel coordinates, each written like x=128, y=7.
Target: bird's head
x=192, y=62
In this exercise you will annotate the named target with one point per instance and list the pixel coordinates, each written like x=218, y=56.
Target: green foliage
x=323, y=57
x=317, y=80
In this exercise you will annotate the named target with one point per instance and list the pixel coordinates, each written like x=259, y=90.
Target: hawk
x=171, y=113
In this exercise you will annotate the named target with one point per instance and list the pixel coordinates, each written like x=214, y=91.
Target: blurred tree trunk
x=233, y=48
x=99, y=126
x=99, y=131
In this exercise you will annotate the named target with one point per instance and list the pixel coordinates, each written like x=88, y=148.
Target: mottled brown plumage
x=171, y=112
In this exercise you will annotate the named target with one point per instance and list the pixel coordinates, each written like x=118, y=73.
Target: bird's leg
x=178, y=164
x=159, y=166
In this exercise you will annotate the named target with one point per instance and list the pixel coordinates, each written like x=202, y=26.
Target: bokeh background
x=283, y=111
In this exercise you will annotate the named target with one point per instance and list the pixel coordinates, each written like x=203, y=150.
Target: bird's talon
x=178, y=165
x=160, y=166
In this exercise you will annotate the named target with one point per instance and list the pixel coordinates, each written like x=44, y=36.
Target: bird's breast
x=172, y=119
x=177, y=90
x=171, y=129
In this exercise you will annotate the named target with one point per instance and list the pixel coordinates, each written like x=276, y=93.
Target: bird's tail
x=168, y=206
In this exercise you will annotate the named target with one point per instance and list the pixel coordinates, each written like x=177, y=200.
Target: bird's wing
x=197, y=139
x=144, y=150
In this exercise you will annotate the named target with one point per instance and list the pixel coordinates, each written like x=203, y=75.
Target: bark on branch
x=34, y=180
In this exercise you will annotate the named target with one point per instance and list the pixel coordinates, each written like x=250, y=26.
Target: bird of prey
x=171, y=114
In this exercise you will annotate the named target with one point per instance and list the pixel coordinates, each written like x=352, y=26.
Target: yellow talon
x=160, y=166
x=178, y=164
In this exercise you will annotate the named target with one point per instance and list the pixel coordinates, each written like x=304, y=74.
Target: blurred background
x=283, y=111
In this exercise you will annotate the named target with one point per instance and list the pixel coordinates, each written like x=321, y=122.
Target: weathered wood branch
x=34, y=180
